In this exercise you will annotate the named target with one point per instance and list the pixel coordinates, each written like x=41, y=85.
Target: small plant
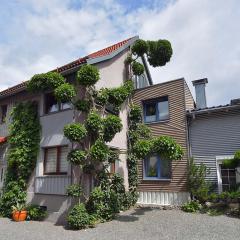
x=137, y=68
x=78, y=217
x=193, y=206
x=94, y=123
x=75, y=131
x=77, y=157
x=19, y=207
x=82, y=105
x=99, y=151
x=65, y=92
x=88, y=75
x=36, y=213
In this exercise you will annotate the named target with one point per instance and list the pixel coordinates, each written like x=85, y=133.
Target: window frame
x=59, y=105
x=158, y=178
x=58, y=149
x=155, y=101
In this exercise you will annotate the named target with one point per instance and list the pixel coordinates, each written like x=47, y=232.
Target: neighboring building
x=214, y=135
x=164, y=112
x=53, y=173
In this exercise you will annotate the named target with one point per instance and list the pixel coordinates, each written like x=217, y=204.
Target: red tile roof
x=101, y=53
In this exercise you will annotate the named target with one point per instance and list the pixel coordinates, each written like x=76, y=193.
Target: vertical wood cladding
x=175, y=127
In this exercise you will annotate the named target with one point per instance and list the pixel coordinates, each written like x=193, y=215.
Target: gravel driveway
x=135, y=224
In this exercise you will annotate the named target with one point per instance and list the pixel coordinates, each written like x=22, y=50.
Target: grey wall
x=214, y=134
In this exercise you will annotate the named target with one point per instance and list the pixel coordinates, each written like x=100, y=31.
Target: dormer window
x=156, y=110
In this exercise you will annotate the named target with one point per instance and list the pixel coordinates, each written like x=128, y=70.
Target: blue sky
x=37, y=36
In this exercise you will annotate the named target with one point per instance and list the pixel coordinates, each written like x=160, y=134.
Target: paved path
x=136, y=224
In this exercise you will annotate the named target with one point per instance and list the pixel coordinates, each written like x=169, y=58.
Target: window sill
x=155, y=122
x=158, y=179
x=52, y=113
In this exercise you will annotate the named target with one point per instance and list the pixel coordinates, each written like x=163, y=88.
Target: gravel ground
x=135, y=224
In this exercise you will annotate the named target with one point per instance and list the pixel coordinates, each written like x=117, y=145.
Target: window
x=3, y=113
x=229, y=182
x=157, y=168
x=52, y=105
x=55, y=160
x=156, y=110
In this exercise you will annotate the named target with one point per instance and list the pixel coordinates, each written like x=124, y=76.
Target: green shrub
x=142, y=148
x=102, y=96
x=99, y=151
x=140, y=47
x=77, y=157
x=36, y=213
x=88, y=75
x=78, y=218
x=128, y=59
x=135, y=114
x=111, y=125
x=113, y=156
x=167, y=148
x=137, y=68
x=193, y=206
x=74, y=190
x=82, y=105
x=159, y=52
x=141, y=131
x=65, y=92
x=94, y=123
x=132, y=163
x=197, y=184
x=88, y=168
x=75, y=131
x=232, y=163
x=45, y=81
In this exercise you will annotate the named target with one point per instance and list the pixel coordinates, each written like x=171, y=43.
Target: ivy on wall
x=24, y=142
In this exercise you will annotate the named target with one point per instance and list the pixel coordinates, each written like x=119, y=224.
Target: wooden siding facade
x=176, y=127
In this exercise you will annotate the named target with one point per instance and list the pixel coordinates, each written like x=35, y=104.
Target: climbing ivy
x=24, y=141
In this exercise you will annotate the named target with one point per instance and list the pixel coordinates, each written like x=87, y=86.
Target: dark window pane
x=165, y=168
x=3, y=113
x=51, y=104
x=150, y=112
x=151, y=168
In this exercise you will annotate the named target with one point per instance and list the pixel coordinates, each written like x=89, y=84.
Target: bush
x=141, y=131
x=232, y=163
x=65, y=92
x=88, y=75
x=74, y=190
x=45, y=81
x=77, y=157
x=99, y=151
x=135, y=114
x=132, y=163
x=102, y=96
x=82, y=105
x=36, y=213
x=113, y=156
x=75, y=131
x=142, y=148
x=137, y=68
x=111, y=125
x=140, y=47
x=94, y=123
x=192, y=206
x=78, y=218
x=159, y=52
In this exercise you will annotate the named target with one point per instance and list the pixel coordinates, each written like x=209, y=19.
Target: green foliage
x=74, y=190
x=78, y=218
x=102, y=96
x=14, y=193
x=82, y=105
x=24, y=145
x=141, y=131
x=224, y=196
x=142, y=148
x=132, y=163
x=117, y=96
x=232, y=163
x=45, y=81
x=94, y=123
x=167, y=148
x=159, y=52
x=197, y=184
x=129, y=59
x=111, y=125
x=88, y=75
x=36, y=213
x=99, y=151
x=140, y=47
x=135, y=114
x=113, y=156
x=137, y=68
x=77, y=157
x=75, y=131
x=65, y=92
x=192, y=206
x=88, y=168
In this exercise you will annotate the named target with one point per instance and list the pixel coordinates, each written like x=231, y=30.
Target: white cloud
x=45, y=34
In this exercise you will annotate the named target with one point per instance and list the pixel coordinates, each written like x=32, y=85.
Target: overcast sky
x=39, y=35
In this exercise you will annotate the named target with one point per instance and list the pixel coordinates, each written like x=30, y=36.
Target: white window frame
x=219, y=161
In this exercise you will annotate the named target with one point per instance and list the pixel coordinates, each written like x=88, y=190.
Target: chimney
x=200, y=85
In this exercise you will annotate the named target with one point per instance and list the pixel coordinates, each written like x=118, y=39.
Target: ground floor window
x=156, y=167
x=55, y=160
x=228, y=176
